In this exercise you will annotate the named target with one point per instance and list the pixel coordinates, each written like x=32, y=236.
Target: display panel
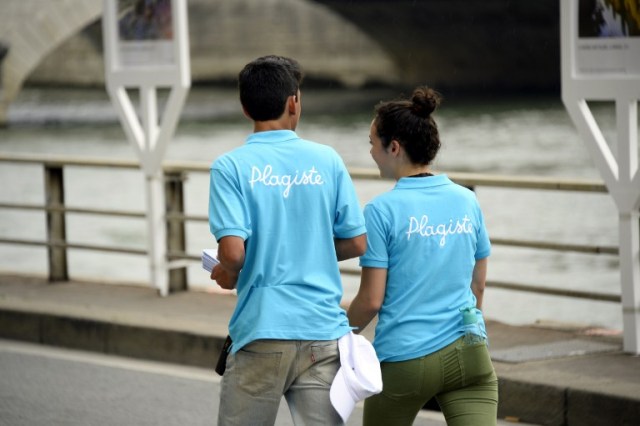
x=608, y=38
x=145, y=33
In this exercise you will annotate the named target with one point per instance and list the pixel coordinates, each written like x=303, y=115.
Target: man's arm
x=347, y=248
x=231, y=256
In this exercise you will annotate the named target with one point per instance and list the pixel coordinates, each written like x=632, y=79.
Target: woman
x=424, y=276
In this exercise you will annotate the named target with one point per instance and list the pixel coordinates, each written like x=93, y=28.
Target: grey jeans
x=259, y=374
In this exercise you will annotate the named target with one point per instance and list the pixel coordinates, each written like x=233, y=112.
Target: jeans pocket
x=476, y=364
x=325, y=361
x=402, y=379
x=257, y=371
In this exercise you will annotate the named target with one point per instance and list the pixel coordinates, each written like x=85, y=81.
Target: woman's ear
x=394, y=147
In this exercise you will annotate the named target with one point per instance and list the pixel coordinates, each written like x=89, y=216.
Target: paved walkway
x=548, y=376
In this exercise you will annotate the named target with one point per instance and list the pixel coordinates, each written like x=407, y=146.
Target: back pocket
x=476, y=364
x=257, y=371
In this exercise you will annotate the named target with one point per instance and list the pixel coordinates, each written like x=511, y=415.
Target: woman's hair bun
x=425, y=100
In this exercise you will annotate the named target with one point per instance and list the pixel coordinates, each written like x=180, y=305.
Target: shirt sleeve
x=377, y=254
x=228, y=215
x=349, y=220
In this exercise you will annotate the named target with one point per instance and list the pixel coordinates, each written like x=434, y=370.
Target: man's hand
x=231, y=257
x=223, y=277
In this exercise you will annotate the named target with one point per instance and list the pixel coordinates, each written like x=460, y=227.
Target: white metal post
x=629, y=222
x=156, y=227
x=630, y=277
x=157, y=232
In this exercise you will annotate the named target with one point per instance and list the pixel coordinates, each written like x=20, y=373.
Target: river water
x=530, y=136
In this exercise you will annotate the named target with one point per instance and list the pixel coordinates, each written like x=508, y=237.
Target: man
x=283, y=211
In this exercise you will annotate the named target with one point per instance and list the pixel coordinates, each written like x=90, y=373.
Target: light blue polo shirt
x=427, y=232
x=287, y=198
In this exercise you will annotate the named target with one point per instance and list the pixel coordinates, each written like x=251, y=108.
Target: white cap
x=359, y=375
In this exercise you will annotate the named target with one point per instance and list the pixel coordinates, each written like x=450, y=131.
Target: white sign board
x=146, y=44
x=601, y=62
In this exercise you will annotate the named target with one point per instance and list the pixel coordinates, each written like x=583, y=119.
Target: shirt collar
x=422, y=182
x=272, y=136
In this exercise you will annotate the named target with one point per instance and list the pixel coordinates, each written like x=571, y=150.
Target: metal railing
x=175, y=176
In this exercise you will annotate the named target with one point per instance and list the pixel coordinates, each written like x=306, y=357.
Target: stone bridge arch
x=223, y=33
x=29, y=30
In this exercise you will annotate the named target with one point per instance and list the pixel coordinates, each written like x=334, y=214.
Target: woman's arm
x=479, y=280
x=366, y=305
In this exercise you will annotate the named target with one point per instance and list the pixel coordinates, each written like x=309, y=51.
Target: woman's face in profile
x=379, y=153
